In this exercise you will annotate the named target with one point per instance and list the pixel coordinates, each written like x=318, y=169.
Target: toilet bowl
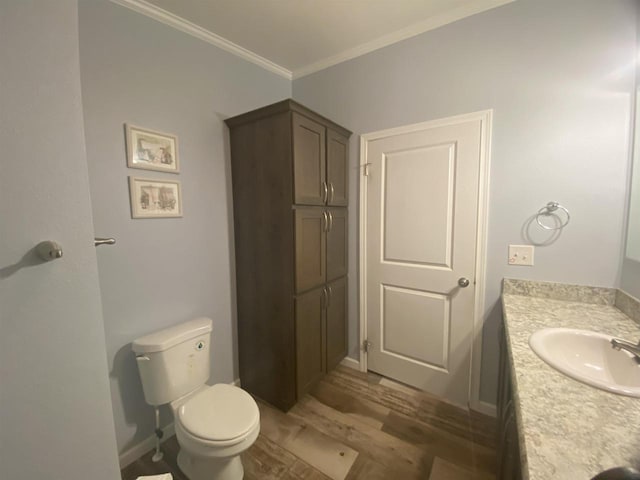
x=213, y=427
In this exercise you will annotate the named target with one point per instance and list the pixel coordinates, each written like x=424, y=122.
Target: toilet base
x=210, y=468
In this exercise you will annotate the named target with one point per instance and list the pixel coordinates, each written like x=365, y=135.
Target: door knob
x=463, y=282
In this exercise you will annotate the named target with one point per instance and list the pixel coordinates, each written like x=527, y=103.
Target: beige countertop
x=568, y=430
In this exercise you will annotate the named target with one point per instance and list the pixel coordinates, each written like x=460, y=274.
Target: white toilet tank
x=174, y=361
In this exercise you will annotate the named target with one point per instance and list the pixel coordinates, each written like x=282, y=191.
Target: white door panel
x=418, y=199
x=421, y=223
x=419, y=331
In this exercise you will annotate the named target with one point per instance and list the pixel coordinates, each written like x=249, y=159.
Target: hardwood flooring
x=356, y=426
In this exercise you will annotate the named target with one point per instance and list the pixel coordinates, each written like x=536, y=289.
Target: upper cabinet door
x=309, y=170
x=337, y=168
x=311, y=243
x=336, y=243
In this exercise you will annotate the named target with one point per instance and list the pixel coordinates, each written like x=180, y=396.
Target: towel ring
x=550, y=209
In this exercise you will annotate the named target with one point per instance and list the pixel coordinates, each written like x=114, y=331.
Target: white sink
x=589, y=358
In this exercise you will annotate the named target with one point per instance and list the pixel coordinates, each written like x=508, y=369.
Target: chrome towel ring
x=550, y=209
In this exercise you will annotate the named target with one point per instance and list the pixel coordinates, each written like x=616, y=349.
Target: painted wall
x=559, y=77
x=630, y=276
x=162, y=271
x=55, y=420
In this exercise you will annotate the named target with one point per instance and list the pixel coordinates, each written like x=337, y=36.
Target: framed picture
x=154, y=198
x=151, y=150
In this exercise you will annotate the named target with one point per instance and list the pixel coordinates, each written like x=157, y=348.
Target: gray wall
x=162, y=271
x=559, y=77
x=630, y=276
x=630, y=279
x=55, y=420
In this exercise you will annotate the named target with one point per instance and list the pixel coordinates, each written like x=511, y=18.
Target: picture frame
x=151, y=150
x=155, y=198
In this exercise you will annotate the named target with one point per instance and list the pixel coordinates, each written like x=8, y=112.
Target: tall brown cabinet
x=290, y=175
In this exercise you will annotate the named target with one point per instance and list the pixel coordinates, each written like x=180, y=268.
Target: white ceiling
x=303, y=36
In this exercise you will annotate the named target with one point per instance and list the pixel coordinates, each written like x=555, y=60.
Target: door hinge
x=366, y=345
x=365, y=169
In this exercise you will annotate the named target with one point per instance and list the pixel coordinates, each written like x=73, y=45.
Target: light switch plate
x=521, y=255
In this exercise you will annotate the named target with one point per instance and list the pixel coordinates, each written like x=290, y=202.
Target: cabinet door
x=336, y=322
x=310, y=339
x=336, y=243
x=337, y=168
x=311, y=240
x=309, y=171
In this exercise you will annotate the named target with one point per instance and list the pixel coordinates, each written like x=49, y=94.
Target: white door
x=421, y=220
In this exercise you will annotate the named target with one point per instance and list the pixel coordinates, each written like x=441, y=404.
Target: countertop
x=568, y=430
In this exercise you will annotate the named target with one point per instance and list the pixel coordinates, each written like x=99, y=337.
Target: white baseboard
x=135, y=452
x=144, y=446
x=484, y=407
x=351, y=363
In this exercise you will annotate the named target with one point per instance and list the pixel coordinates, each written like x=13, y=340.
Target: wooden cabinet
x=321, y=245
x=310, y=339
x=311, y=247
x=336, y=322
x=336, y=243
x=337, y=168
x=309, y=161
x=289, y=175
x=320, y=168
x=321, y=332
x=509, y=467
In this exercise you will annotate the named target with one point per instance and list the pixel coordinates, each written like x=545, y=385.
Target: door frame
x=486, y=118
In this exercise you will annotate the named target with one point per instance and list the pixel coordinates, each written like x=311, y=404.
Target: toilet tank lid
x=167, y=338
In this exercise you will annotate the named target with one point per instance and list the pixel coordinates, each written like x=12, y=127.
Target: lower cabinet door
x=310, y=338
x=336, y=322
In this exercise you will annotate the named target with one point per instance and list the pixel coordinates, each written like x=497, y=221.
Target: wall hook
x=49, y=250
x=103, y=241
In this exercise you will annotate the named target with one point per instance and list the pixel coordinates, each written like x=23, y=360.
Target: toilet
x=214, y=424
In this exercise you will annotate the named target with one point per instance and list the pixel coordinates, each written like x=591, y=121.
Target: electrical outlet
x=521, y=255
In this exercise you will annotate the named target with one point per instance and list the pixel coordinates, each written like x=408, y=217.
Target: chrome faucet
x=632, y=348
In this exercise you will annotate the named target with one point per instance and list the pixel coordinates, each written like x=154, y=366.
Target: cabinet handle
x=325, y=192
x=325, y=222
x=331, y=192
x=330, y=222
x=329, y=296
x=325, y=300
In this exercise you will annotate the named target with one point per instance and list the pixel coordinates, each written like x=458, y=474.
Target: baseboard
x=351, y=363
x=484, y=407
x=135, y=452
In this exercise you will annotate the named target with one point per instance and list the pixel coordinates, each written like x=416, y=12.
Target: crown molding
x=395, y=37
x=179, y=23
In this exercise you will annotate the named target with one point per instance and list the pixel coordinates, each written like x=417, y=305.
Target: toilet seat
x=219, y=416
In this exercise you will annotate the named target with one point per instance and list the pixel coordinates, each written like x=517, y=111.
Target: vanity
x=552, y=426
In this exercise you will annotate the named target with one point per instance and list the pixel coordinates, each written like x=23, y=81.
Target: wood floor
x=357, y=426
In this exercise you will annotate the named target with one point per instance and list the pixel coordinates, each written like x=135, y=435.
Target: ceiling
x=299, y=37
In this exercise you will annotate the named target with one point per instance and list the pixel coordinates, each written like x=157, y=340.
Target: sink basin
x=589, y=358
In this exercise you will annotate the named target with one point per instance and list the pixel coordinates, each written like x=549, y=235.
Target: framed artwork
x=151, y=150
x=155, y=198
